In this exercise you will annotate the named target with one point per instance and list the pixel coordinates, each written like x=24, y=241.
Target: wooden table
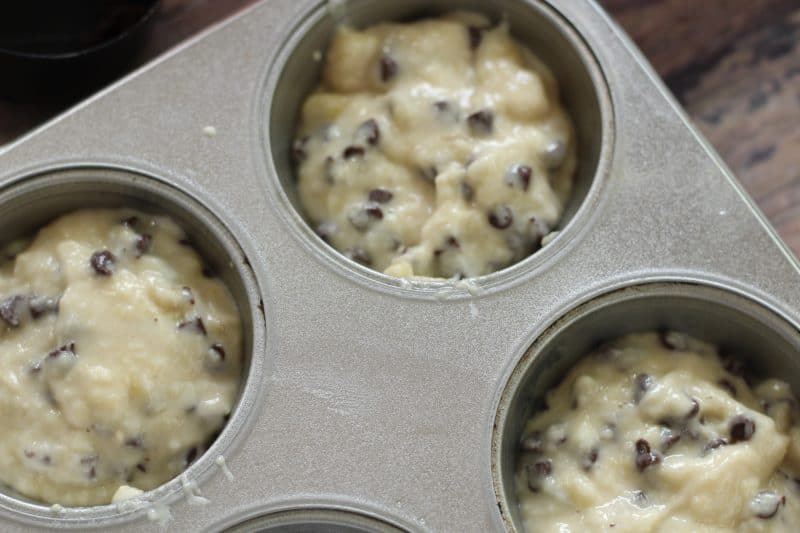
x=733, y=64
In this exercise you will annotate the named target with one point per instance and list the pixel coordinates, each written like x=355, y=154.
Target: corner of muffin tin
x=360, y=384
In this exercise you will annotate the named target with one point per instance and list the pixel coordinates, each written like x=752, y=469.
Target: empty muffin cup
x=85, y=202
x=753, y=336
x=314, y=521
x=536, y=25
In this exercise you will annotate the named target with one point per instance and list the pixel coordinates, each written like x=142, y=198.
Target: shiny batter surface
x=436, y=148
x=658, y=433
x=121, y=357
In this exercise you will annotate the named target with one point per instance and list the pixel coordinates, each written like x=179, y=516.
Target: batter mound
x=658, y=433
x=434, y=149
x=121, y=357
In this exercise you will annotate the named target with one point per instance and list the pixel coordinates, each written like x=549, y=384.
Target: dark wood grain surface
x=733, y=64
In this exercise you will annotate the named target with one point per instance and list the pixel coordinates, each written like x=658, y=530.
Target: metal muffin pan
x=366, y=395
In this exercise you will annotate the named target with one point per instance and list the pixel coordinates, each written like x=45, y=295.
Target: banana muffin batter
x=437, y=148
x=121, y=357
x=657, y=432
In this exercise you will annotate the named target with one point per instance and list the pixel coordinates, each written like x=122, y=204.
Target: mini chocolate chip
x=767, y=503
x=694, y=410
x=29, y=454
x=481, y=122
x=734, y=365
x=219, y=350
x=380, y=195
x=328, y=169
x=299, y=150
x=141, y=467
x=359, y=255
x=67, y=349
x=727, y=385
x=501, y=217
x=388, y=68
x=442, y=105
x=519, y=175
x=195, y=324
x=670, y=439
x=452, y=242
x=46, y=459
x=326, y=229
x=643, y=383
x=353, y=151
x=370, y=131
x=645, y=457
x=9, y=310
x=532, y=443
x=640, y=499
x=89, y=459
x=373, y=211
x=475, y=36
x=131, y=221
x=741, y=429
x=143, y=243
x=590, y=459
x=191, y=455
x=134, y=442
x=92, y=473
x=713, y=444
x=103, y=262
x=39, y=305
x=543, y=468
x=185, y=241
x=188, y=294
x=536, y=472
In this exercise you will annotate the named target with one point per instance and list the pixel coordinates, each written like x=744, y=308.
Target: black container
x=58, y=50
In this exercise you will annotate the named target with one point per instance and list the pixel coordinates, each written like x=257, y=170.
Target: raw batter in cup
x=437, y=148
x=658, y=433
x=121, y=357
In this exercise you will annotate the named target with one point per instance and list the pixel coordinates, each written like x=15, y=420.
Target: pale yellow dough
x=108, y=380
x=580, y=469
x=459, y=124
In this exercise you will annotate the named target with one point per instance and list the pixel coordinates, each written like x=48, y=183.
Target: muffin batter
x=121, y=357
x=656, y=432
x=437, y=148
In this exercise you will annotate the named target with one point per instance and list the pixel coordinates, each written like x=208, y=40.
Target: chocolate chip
x=643, y=383
x=195, y=324
x=766, y=504
x=29, y=454
x=326, y=229
x=543, y=468
x=532, y=443
x=452, y=242
x=185, y=241
x=141, y=467
x=481, y=122
x=10, y=309
x=103, y=262
x=134, y=442
x=734, y=365
x=519, y=175
x=39, y=305
x=669, y=439
x=370, y=132
x=713, y=444
x=442, y=106
x=46, y=459
x=727, y=385
x=359, y=255
x=501, y=217
x=328, y=169
x=191, y=455
x=380, y=195
x=299, y=150
x=92, y=473
x=143, y=243
x=475, y=36
x=131, y=221
x=188, y=294
x=353, y=151
x=741, y=429
x=219, y=350
x=89, y=459
x=640, y=499
x=362, y=216
x=694, y=410
x=373, y=211
x=645, y=457
x=388, y=68
x=447, y=112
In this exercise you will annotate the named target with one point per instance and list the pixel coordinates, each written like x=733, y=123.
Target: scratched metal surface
x=379, y=396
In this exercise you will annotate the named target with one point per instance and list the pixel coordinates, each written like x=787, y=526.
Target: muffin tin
x=371, y=403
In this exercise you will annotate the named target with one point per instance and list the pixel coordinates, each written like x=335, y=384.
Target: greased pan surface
x=366, y=395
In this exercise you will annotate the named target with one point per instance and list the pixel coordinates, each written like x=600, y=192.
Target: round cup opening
x=766, y=342
x=314, y=521
x=35, y=201
x=583, y=92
